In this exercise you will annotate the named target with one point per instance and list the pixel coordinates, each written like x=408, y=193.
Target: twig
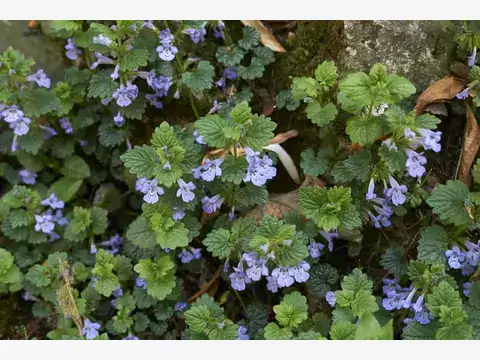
x=207, y=286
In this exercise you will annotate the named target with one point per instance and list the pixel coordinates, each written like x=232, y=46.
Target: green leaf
x=393, y=260
x=394, y=159
x=219, y=243
x=448, y=202
x=30, y=162
x=321, y=115
x=322, y=277
x=399, y=87
x=228, y=331
x=253, y=71
x=274, y=332
x=443, y=295
x=234, y=169
x=134, y=59
x=329, y=208
x=99, y=220
x=82, y=219
x=416, y=269
x=39, y=102
x=32, y=141
x=251, y=38
x=474, y=297
x=461, y=331
x=136, y=109
x=432, y=245
x=342, y=330
x=65, y=188
x=140, y=161
x=65, y=28
x=368, y=328
x=229, y=56
x=356, y=293
x=284, y=99
x=110, y=135
x=416, y=331
x=357, y=166
x=19, y=218
x=326, y=74
x=476, y=172
x=251, y=195
x=211, y=128
x=76, y=168
x=356, y=88
x=159, y=276
x=303, y=87
x=264, y=55
x=259, y=132
x=38, y=276
x=315, y=164
x=427, y=121
x=241, y=113
x=292, y=310
x=201, y=78
x=140, y=234
x=364, y=130
x=102, y=85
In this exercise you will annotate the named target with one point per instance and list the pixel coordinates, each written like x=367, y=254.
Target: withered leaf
x=471, y=143
x=443, y=90
x=266, y=37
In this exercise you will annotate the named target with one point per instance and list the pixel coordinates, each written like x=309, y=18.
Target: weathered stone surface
x=47, y=52
x=417, y=50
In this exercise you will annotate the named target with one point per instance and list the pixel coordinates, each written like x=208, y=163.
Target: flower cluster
x=188, y=255
x=228, y=74
x=402, y=298
x=196, y=35
x=259, y=169
x=209, y=170
x=16, y=120
x=467, y=260
x=279, y=277
x=114, y=243
x=166, y=51
x=150, y=188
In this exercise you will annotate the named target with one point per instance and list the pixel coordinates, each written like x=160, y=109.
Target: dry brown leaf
x=443, y=90
x=281, y=204
x=266, y=37
x=471, y=143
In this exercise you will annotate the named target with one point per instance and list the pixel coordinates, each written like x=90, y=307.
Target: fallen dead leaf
x=280, y=204
x=266, y=37
x=443, y=90
x=471, y=144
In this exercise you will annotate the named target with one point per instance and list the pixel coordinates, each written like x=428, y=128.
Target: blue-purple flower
x=415, y=162
x=259, y=170
x=396, y=192
x=198, y=138
x=283, y=276
x=130, y=337
x=256, y=267
x=330, y=236
x=101, y=59
x=272, y=285
x=53, y=202
x=371, y=190
x=151, y=190
x=140, y=283
x=44, y=223
x=125, y=94
x=409, y=134
x=66, y=125
x=473, y=253
x=102, y=40
x=466, y=288
x=462, y=94
x=167, y=52
x=20, y=127
x=90, y=329
x=11, y=114
x=431, y=139
x=185, y=190
x=216, y=106
x=40, y=78
x=218, y=30
x=456, y=257
x=28, y=177
x=116, y=72
x=242, y=333
x=315, y=249
x=331, y=298
x=72, y=51
x=93, y=248
x=238, y=278
x=472, y=58
x=210, y=169
x=210, y=205
x=180, y=306
x=196, y=35
x=300, y=272
x=390, y=145
x=118, y=119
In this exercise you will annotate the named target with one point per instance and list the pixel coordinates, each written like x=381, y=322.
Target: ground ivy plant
x=127, y=191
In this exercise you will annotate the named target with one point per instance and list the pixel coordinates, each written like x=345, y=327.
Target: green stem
x=181, y=68
x=228, y=39
x=241, y=301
